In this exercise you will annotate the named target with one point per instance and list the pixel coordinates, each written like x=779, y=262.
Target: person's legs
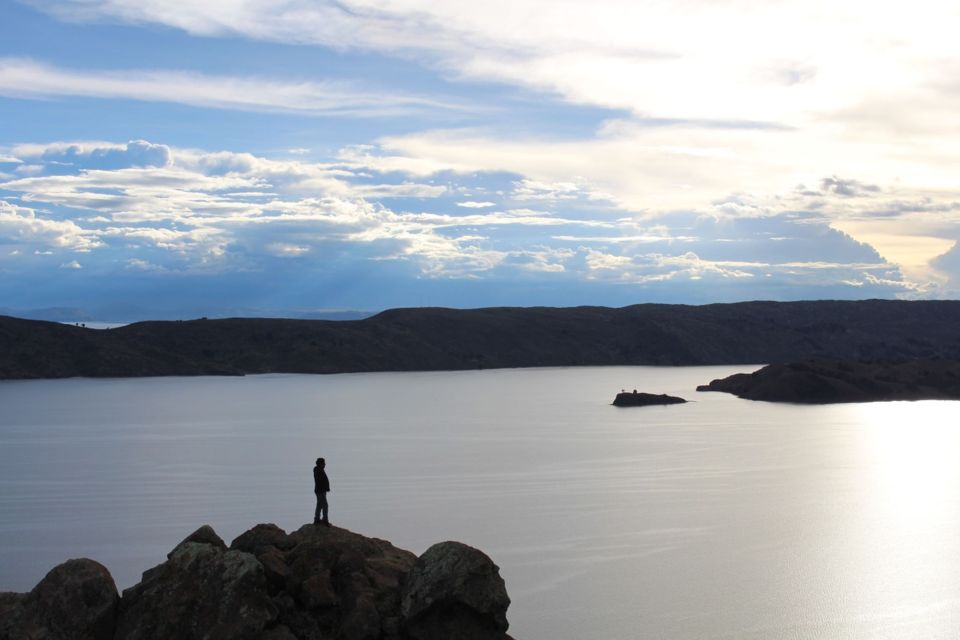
x=323, y=507
x=321, y=504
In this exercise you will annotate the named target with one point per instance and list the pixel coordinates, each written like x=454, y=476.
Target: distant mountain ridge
x=453, y=339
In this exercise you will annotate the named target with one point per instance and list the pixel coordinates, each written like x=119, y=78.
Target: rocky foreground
x=316, y=583
x=822, y=382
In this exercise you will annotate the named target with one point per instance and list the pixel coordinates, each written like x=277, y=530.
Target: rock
x=455, y=591
x=347, y=581
x=201, y=591
x=77, y=600
x=10, y=603
x=281, y=632
x=316, y=592
x=625, y=399
x=275, y=568
x=362, y=621
x=203, y=535
x=259, y=538
x=317, y=583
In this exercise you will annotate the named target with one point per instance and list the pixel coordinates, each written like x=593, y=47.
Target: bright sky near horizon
x=164, y=157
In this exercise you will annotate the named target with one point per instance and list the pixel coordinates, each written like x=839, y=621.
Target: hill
x=451, y=339
x=822, y=382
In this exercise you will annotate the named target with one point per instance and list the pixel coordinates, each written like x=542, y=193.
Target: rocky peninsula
x=316, y=583
x=822, y=382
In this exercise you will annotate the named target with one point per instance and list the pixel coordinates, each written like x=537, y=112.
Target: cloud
x=699, y=113
x=287, y=250
x=528, y=189
x=847, y=188
x=163, y=210
x=22, y=227
x=472, y=204
x=25, y=78
x=96, y=155
x=677, y=67
x=137, y=264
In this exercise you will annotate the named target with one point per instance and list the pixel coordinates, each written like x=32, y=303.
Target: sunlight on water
x=903, y=557
x=910, y=449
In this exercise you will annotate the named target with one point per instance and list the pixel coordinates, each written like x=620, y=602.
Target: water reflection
x=910, y=455
x=901, y=540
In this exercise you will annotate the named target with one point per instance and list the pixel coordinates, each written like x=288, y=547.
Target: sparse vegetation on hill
x=450, y=339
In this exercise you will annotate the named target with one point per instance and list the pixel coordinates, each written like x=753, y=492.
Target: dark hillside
x=448, y=339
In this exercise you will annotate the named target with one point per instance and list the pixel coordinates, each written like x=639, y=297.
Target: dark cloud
x=948, y=263
x=898, y=208
x=847, y=188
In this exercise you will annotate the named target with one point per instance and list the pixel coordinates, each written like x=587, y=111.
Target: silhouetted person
x=321, y=485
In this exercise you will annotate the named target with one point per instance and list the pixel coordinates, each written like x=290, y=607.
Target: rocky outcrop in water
x=822, y=382
x=316, y=583
x=635, y=399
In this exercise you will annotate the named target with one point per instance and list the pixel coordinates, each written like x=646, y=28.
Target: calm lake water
x=721, y=518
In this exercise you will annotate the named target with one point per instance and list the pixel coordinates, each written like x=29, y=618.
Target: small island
x=824, y=382
x=635, y=399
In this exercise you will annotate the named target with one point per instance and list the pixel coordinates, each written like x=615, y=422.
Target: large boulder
x=455, y=591
x=260, y=538
x=346, y=584
x=203, y=591
x=77, y=600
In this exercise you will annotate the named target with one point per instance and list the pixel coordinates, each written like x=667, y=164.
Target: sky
x=173, y=158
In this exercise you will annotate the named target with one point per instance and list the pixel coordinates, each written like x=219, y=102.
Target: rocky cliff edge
x=316, y=583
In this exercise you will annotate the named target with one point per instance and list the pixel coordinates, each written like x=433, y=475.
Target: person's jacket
x=321, y=484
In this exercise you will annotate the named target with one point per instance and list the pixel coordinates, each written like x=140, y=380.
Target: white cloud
x=718, y=97
x=188, y=209
x=600, y=260
x=25, y=78
x=576, y=189
x=402, y=190
x=471, y=204
x=677, y=65
x=22, y=226
x=136, y=264
x=73, y=264
x=285, y=250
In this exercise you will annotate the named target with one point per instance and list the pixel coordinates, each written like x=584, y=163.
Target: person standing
x=321, y=485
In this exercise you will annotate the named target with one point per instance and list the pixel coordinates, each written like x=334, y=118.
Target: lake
x=720, y=518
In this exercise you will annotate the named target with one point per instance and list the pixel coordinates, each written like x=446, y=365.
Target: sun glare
x=910, y=453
